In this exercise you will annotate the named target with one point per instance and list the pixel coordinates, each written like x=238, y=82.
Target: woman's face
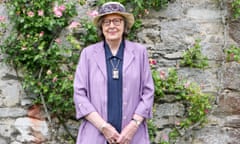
x=113, y=27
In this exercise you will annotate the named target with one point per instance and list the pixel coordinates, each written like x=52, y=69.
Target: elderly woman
x=113, y=86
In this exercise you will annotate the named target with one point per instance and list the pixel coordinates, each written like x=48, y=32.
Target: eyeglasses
x=115, y=21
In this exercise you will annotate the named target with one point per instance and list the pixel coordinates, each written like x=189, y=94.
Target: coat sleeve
x=81, y=96
x=145, y=105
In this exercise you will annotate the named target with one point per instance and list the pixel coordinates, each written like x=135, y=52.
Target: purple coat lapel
x=99, y=57
x=128, y=56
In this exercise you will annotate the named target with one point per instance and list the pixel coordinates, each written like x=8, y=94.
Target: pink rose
x=30, y=14
x=54, y=79
x=162, y=75
x=187, y=84
x=74, y=24
x=40, y=12
x=2, y=18
x=49, y=72
x=57, y=12
x=152, y=62
x=93, y=13
x=58, y=40
x=41, y=33
x=62, y=8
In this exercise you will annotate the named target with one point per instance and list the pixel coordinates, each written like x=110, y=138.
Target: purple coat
x=90, y=90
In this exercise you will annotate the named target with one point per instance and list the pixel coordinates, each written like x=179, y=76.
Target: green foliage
x=132, y=34
x=140, y=8
x=166, y=84
x=233, y=54
x=197, y=104
x=90, y=35
x=151, y=129
x=174, y=134
x=3, y=25
x=236, y=8
x=35, y=47
x=194, y=58
x=164, y=142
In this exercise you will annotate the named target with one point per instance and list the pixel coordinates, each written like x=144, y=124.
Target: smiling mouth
x=112, y=33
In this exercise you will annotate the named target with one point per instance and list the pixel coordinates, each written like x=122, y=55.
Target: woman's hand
x=127, y=133
x=110, y=133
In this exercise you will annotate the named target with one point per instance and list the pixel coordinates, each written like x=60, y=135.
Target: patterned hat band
x=114, y=8
x=111, y=7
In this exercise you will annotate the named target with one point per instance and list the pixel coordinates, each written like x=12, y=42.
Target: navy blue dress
x=114, y=86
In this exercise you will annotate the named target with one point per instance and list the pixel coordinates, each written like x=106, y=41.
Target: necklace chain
x=114, y=65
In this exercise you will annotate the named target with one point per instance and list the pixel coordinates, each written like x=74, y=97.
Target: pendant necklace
x=115, y=71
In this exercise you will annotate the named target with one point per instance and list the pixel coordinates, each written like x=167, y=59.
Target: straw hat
x=114, y=8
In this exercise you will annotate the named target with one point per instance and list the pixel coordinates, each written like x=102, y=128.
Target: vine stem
x=45, y=108
x=65, y=127
x=42, y=99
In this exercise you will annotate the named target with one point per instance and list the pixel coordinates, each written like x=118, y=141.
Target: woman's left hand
x=127, y=133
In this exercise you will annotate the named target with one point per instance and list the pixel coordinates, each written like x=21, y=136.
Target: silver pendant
x=115, y=74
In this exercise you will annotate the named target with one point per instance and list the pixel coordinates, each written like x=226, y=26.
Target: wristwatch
x=136, y=121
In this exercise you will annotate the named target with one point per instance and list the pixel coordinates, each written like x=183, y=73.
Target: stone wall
x=175, y=30
x=166, y=34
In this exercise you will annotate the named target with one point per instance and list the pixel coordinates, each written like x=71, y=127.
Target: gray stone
x=149, y=36
x=229, y=102
x=234, y=30
x=6, y=127
x=212, y=135
x=203, y=14
x=234, y=123
x=213, y=51
x=5, y=69
x=179, y=35
x=213, y=120
x=12, y=112
x=31, y=130
x=166, y=63
x=176, y=55
x=172, y=11
x=3, y=141
x=150, y=23
x=212, y=28
x=167, y=110
x=10, y=87
x=26, y=102
x=163, y=135
x=15, y=142
x=231, y=76
x=206, y=79
x=11, y=92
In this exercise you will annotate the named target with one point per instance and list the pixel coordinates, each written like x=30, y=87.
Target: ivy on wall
x=194, y=58
x=35, y=48
x=235, y=6
x=233, y=54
